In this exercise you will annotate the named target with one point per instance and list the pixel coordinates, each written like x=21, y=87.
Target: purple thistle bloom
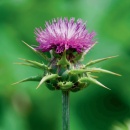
x=64, y=34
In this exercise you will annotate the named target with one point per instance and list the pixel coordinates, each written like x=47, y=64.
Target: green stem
x=65, y=110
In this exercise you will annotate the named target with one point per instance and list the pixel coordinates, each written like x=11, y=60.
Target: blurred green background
x=22, y=107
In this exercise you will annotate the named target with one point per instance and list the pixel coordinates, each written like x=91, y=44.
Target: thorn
x=99, y=60
x=41, y=54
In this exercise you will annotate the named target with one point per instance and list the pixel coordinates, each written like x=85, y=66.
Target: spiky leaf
x=92, y=80
x=99, y=70
x=98, y=60
x=77, y=71
x=34, y=78
x=34, y=64
x=47, y=77
x=37, y=52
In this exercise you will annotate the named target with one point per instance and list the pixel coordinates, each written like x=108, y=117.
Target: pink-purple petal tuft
x=64, y=34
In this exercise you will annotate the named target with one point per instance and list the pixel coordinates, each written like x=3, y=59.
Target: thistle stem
x=65, y=110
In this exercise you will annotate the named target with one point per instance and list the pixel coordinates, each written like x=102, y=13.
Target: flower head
x=64, y=34
x=69, y=41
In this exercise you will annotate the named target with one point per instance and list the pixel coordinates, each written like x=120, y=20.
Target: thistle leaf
x=34, y=64
x=27, y=64
x=37, y=52
x=34, y=78
x=83, y=80
x=92, y=80
x=97, y=82
x=93, y=76
x=99, y=70
x=47, y=77
x=77, y=71
x=98, y=60
x=65, y=85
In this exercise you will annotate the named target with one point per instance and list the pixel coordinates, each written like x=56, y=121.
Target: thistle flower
x=67, y=41
x=64, y=34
